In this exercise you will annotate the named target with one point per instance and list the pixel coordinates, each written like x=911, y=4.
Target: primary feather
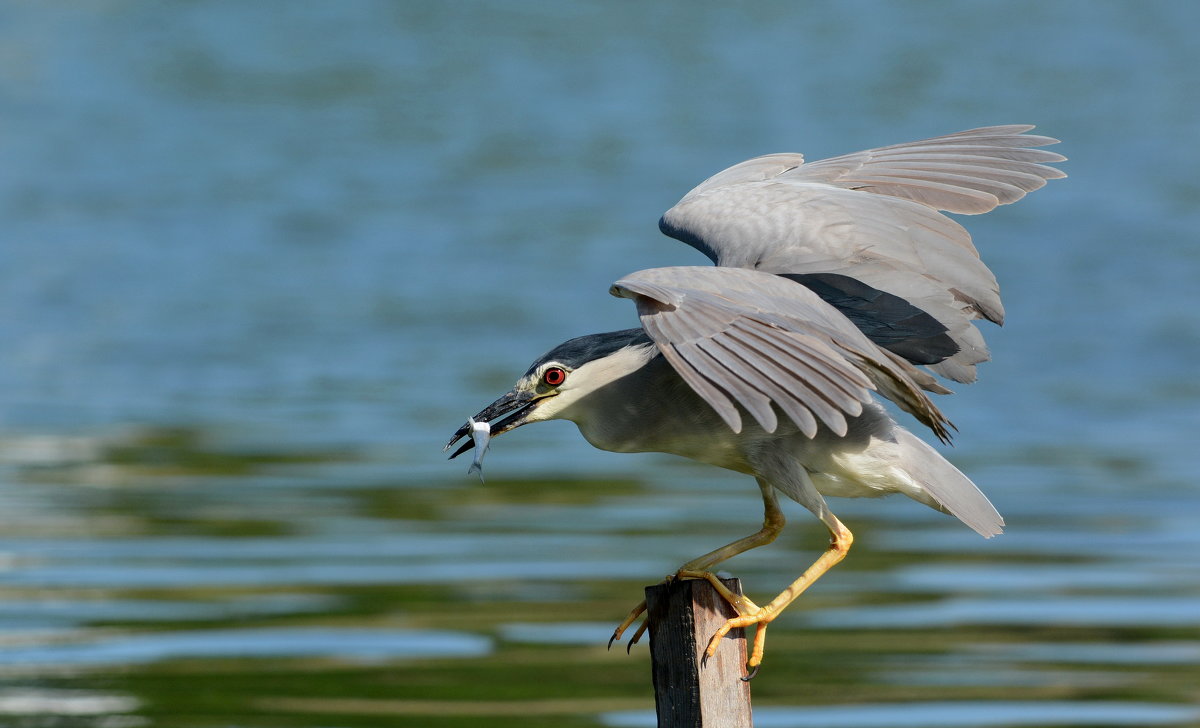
x=875, y=216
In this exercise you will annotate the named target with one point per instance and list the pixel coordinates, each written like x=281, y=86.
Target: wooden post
x=688, y=691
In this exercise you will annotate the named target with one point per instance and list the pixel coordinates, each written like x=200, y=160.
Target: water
x=257, y=261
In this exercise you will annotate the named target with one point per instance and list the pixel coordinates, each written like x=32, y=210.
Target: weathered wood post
x=690, y=692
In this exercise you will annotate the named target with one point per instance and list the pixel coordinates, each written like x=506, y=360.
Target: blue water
x=257, y=262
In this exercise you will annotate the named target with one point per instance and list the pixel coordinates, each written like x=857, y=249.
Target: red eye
x=554, y=376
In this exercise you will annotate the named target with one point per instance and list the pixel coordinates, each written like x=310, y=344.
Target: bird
x=835, y=282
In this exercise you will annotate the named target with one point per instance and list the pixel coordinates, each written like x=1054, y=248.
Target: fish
x=481, y=433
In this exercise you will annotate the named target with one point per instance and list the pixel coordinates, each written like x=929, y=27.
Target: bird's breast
x=654, y=410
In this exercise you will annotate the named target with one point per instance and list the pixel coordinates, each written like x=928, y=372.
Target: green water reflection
x=157, y=578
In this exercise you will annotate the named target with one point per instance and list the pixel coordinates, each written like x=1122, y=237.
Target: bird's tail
x=946, y=486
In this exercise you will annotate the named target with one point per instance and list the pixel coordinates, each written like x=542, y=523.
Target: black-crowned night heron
x=834, y=280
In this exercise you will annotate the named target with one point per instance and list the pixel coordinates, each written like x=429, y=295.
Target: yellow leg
x=697, y=568
x=762, y=616
x=773, y=522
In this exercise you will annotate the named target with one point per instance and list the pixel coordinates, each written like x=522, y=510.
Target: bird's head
x=556, y=383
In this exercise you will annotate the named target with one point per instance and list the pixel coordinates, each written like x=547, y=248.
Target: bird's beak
x=507, y=413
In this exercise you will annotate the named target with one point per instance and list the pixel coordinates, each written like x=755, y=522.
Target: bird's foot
x=740, y=602
x=761, y=618
x=639, y=610
x=748, y=613
x=626, y=623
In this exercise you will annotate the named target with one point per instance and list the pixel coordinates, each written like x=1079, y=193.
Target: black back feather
x=886, y=319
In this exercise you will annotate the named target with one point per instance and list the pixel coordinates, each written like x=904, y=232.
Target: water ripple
x=949, y=715
x=345, y=643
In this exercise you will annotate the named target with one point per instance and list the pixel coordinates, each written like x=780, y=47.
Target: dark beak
x=507, y=413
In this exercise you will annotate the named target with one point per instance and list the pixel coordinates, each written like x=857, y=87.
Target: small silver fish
x=481, y=433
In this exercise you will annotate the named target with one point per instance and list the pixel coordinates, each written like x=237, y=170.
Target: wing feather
x=929, y=192
x=732, y=380
x=876, y=215
x=841, y=386
x=753, y=340
x=768, y=373
x=718, y=399
x=829, y=407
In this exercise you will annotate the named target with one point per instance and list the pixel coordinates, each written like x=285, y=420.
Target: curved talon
x=753, y=672
x=716, y=639
x=637, y=636
x=627, y=622
x=762, y=619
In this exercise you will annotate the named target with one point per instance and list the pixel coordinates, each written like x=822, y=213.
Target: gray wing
x=745, y=338
x=875, y=216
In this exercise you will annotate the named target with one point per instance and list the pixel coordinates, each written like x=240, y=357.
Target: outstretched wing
x=743, y=337
x=875, y=216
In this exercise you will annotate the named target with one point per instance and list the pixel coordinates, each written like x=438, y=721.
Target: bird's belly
x=846, y=485
x=702, y=447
